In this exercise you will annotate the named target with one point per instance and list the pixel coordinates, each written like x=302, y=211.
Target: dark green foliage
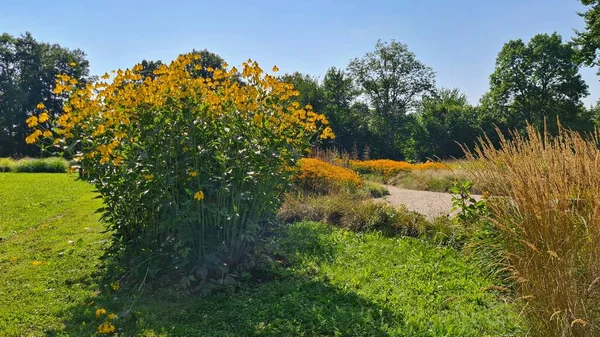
x=537, y=82
x=588, y=40
x=28, y=70
x=446, y=120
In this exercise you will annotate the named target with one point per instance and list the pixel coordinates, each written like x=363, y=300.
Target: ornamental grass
x=547, y=214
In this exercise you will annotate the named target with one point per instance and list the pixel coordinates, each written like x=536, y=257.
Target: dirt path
x=430, y=204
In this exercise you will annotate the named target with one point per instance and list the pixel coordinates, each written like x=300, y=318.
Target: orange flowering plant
x=388, y=168
x=189, y=166
x=319, y=176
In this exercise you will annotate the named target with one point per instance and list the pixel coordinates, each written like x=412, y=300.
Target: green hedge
x=31, y=165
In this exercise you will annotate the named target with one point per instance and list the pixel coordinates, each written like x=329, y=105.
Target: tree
x=348, y=117
x=536, y=82
x=28, y=70
x=589, y=39
x=446, y=120
x=309, y=88
x=392, y=80
x=207, y=60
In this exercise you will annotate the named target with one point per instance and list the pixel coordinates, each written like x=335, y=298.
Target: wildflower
x=275, y=69
x=106, y=328
x=31, y=121
x=36, y=263
x=72, y=64
x=199, y=195
x=194, y=174
x=40, y=106
x=100, y=312
x=112, y=316
x=47, y=134
x=116, y=286
x=14, y=258
x=148, y=176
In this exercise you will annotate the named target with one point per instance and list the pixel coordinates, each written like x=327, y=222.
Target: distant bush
x=32, y=165
x=375, y=190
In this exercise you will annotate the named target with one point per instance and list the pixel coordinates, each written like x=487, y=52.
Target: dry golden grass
x=550, y=223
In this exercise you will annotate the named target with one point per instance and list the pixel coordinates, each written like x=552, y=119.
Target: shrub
x=190, y=168
x=6, y=164
x=547, y=217
x=31, y=165
x=388, y=168
x=322, y=177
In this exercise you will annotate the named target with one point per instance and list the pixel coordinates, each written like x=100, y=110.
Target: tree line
x=384, y=104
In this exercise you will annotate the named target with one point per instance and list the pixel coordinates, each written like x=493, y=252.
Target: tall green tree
x=392, y=80
x=588, y=40
x=446, y=119
x=536, y=81
x=349, y=118
x=309, y=88
x=28, y=70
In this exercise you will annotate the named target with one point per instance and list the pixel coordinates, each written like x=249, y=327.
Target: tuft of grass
x=547, y=220
x=375, y=189
x=33, y=165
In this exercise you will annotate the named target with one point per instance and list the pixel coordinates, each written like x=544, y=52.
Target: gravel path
x=430, y=204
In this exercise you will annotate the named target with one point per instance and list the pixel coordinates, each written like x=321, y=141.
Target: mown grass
x=322, y=281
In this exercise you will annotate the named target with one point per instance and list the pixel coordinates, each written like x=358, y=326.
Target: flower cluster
x=318, y=175
x=388, y=167
x=166, y=148
x=107, y=326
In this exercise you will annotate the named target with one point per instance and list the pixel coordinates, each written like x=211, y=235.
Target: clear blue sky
x=459, y=39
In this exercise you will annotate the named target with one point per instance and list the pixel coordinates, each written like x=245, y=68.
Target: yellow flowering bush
x=319, y=176
x=189, y=167
x=388, y=168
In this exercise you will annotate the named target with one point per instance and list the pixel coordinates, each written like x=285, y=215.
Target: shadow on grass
x=293, y=305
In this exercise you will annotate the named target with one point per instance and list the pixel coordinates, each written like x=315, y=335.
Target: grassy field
x=324, y=281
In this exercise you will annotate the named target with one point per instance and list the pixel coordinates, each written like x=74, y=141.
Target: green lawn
x=329, y=282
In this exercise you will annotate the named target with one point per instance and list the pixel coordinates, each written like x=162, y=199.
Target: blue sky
x=459, y=39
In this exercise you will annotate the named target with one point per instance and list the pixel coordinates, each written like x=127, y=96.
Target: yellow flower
x=43, y=117
x=194, y=174
x=199, y=195
x=40, y=106
x=14, y=258
x=100, y=312
x=31, y=121
x=36, y=263
x=116, y=286
x=275, y=69
x=112, y=316
x=47, y=134
x=72, y=64
x=106, y=328
x=148, y=176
